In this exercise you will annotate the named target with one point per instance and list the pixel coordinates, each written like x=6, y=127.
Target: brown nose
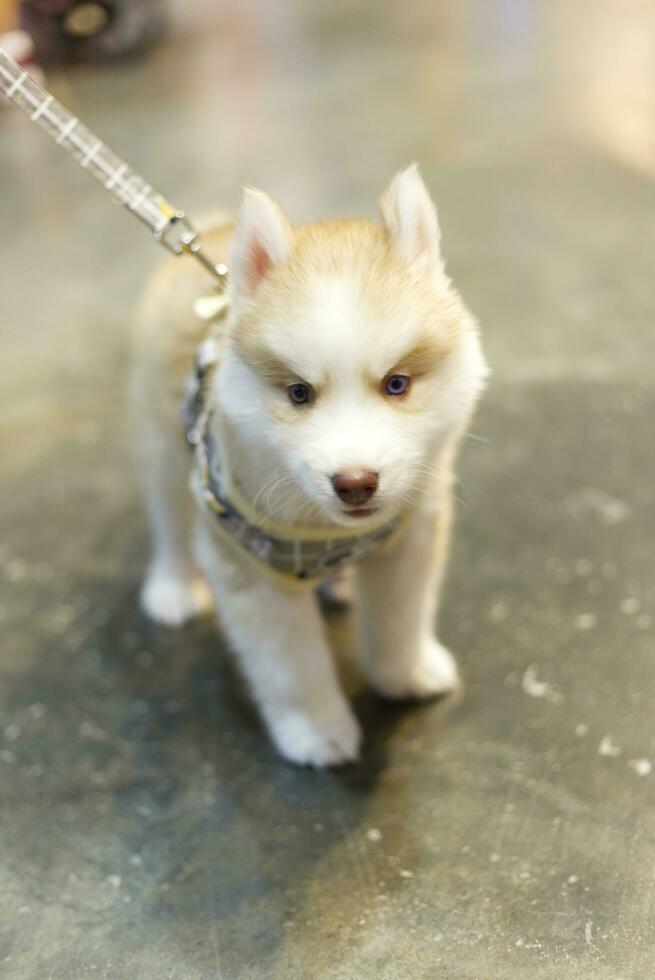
x=355, y=487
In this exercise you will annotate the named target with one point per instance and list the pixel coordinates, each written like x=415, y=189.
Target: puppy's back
x=167, y=332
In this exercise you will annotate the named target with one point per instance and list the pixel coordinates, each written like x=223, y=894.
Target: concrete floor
x=148, y=830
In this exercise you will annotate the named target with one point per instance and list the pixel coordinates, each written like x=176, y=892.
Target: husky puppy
x=348, y=371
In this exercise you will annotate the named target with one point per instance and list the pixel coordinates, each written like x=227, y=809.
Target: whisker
x=279, y=484
x=265, y=487
x=475, y=438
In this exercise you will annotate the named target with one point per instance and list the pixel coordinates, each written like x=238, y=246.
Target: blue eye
x=300, y=394
x=397, y=384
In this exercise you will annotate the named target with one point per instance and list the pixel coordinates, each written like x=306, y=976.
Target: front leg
x=278, y=639
x=398, y=597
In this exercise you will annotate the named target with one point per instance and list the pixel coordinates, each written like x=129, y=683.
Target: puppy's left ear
x=262, y=238
x=411, y=221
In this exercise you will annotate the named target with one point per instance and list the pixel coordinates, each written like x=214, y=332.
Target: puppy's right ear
x=262, y=238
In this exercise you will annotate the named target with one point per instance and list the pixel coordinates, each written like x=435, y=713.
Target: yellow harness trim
x=285, y=580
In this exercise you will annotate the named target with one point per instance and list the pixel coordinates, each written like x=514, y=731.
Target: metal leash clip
x=171, y=227
x=179, y=236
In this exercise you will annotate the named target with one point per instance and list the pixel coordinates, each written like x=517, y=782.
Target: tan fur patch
x=360, y=250
x=421, y=359
x=262, y=360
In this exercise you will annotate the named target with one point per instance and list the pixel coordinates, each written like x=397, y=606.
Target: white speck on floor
x=581, y=730
x=607, y=747
x=539, y=689
x=88, y=730
x=114, y=880
x=630, y=605
x=494, y=858
x=585, y=621
x=572, y=880
x=15, y=570
x=643, y=767
x=404, y=873
x=608, y=509
x=374, y=835
x=588, y=933
x=499, y=611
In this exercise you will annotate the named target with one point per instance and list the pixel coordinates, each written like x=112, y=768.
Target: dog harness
x=292, y=555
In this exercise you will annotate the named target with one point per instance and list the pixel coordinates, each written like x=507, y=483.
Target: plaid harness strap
x=292, y=555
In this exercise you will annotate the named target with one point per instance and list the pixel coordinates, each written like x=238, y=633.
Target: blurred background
x=147, y=830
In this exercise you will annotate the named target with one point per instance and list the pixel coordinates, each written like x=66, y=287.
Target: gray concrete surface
x=147, y=829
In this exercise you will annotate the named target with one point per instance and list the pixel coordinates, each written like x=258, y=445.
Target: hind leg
x=174, y=590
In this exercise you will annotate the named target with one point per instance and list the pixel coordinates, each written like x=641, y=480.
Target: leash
x=171, y=227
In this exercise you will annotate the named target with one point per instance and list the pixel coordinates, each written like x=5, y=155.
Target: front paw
x=172, y=601
x=318, y=741
x=431, y=673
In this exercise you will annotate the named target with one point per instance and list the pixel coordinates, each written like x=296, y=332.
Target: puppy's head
x=350, y=354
